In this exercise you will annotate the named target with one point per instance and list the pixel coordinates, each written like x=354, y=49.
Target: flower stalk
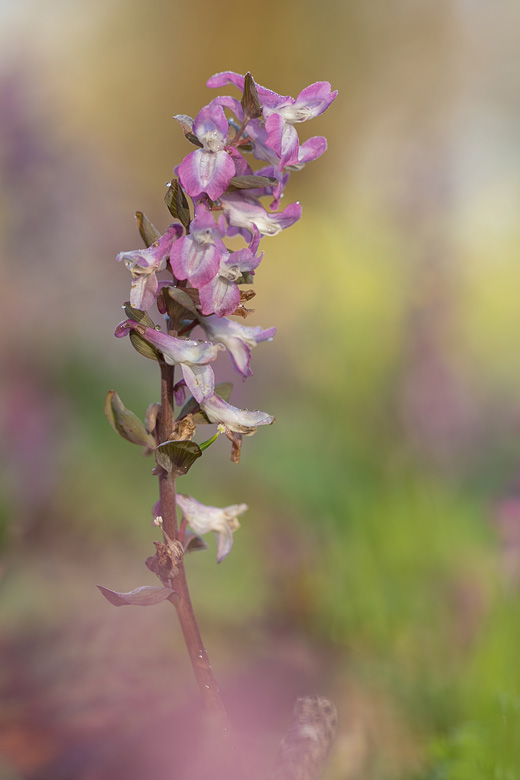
x=188, y=276
x=206, y=681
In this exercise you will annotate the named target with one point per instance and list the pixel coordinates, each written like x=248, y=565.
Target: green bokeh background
x=378, y=562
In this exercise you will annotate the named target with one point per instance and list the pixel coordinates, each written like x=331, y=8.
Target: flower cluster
x=245, y=150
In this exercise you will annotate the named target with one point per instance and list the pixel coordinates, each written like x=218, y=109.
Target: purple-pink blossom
x=210, y=169
x=281, y=112
x=221, y=295
x=197, y=256
x=144, y=264
x=234, y=419
x=244, y=212
x=202, y=519
x=238, y=339
x=192, y=356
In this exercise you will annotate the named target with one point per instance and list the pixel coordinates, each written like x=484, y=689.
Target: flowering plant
x=191, y=279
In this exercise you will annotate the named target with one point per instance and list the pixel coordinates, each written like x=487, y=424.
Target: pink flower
x=234, y=419
x=197, y=256
x=192, y=356
x=209, y=169
x=143, y=264
x=282, y=112
x=221, y=295
x=237, y=338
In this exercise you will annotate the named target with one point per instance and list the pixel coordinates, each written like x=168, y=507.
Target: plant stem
x=199, y=658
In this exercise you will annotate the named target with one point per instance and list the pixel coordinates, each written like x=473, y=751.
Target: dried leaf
x=164, y=562
x=241, y=311
x=250, y=100
x=251, y=182
x=183, y=430
x=236, y=445
x=144, y=596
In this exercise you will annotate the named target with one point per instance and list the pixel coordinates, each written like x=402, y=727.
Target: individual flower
x=236, y=420
x=245, y=213
x=202, y=519
x=209, y=169
x=281, y=112
x=192, y=356
x=143, y=264
x=197, y=256
x=280, y=119
x=237, y=338
x=221, y=295
x=309, y=150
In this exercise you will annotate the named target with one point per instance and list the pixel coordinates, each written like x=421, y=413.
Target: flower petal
x=283, y=139
x=195, y=261
x=247, y=213
x=200, y=380
x=143, y=290
x=211, y=127
x=236, y=420
x=220, y=296
x=205, y=171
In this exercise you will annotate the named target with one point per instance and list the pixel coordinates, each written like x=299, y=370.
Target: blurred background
x=379, y=562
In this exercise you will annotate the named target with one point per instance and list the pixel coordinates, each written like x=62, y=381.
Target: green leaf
x=143, y=347
x=126, y=423
x=138, y=316
x=177, y=457
x=147, y=230
x=209, y=442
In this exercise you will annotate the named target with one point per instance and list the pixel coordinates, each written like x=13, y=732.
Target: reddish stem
x=199, y=658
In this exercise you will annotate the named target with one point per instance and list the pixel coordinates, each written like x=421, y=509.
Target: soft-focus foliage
x=379, y=561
